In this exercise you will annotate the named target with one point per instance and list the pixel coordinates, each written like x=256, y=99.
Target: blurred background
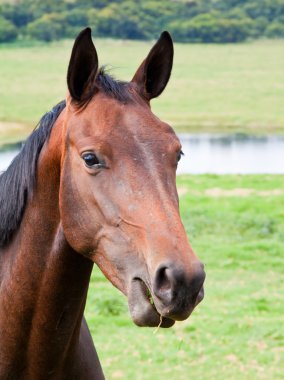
x=225, y=99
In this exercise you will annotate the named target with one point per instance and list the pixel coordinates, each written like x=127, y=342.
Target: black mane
x=17, y=182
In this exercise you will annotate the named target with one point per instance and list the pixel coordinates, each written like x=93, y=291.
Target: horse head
x=118, y=199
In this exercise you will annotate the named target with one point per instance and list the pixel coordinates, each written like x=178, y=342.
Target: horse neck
x=44, y=282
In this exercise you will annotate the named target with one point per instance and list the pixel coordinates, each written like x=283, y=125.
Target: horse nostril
x=163, y=284
x=177, y=289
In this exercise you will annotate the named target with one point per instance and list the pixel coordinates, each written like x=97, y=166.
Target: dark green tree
x=8, y=31
x=47, y=28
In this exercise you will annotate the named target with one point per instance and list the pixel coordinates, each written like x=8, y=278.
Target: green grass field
x=229, y=88
x=236, y=225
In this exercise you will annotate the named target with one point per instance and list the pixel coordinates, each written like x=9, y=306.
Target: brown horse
x=94, y=183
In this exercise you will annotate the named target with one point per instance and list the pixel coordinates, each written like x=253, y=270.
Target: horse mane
x=17, y=182
x=113, y=88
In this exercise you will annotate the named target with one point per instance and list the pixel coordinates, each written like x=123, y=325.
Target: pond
x=232, y=154
x=7, y=153
x=219, y=154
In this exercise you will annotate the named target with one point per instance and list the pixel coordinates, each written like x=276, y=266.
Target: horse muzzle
x=170, y=297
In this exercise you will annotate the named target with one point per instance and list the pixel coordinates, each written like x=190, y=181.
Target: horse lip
x=179, y=315
x=143, y=312
x=146, y=309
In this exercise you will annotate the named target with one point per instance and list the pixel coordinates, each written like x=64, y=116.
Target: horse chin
x=142, y=308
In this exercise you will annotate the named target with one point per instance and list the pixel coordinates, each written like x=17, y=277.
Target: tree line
x=209, y=21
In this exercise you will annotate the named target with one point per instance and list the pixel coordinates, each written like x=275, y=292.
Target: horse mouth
x=142, y=307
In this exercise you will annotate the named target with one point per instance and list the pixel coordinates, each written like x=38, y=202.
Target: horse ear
x=154, y=72
x=83, y=65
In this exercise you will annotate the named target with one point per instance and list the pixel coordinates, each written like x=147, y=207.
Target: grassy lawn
x=225, y=88
x=236, y=225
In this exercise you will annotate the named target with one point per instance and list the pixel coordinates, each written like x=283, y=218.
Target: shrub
x=210, y=28
x=47, y=28
x=116, y=21
x=8, y=31
x=275, y=30
x=19, y=14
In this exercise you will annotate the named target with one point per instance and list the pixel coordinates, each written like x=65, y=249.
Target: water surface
x=237, y=154
x=219, y=154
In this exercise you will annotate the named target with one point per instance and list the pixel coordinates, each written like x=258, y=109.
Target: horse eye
x=180, y=153
x=91, y=159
